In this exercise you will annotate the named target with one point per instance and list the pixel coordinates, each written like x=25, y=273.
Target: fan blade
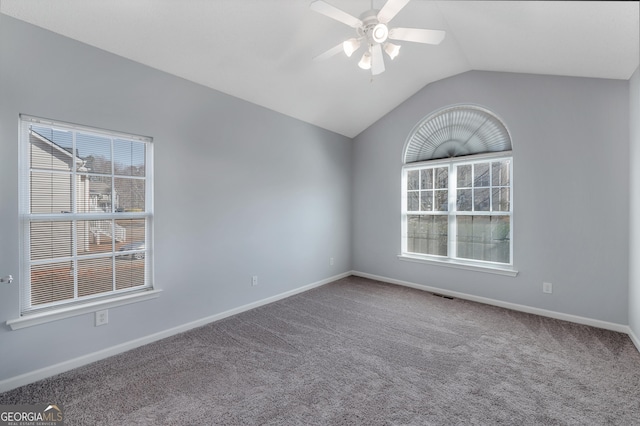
x=335, y=13
x=391, y=9
x=377, y=61
x=417, y=35
x=329, y=53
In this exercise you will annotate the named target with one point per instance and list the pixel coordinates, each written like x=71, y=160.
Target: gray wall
x=571, y=190
x=634, y=234
x=239, y=190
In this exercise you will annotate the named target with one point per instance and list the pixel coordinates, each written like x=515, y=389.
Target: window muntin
x=86, y=212
x=474, y=223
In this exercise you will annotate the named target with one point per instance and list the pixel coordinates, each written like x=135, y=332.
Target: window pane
x=133, y=240
x=83, y=196
x=500, y=173
x=427, y=234
x=426, y=179
x=481, y=174
x=130, y=267
x=100, y=194
x=464, y=200
x=95, y=151
x=413, y=179
x=442, y=177
x=129, y=157
x=481, y=199
x=85, y=239
x=50, y=240
x=413, y=201
x=464, y=176
x=95, y=276
x=129, y=272
x=95, y=236
x=129, y=195
x=130, y=231
x=45, y=153
x=51, y=282
x=50, y=193
x=426, y=201
x=484, y=238
x=442, y=200
x=501, y=200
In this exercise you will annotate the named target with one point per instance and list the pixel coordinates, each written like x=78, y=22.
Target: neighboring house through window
x=86, y=213
x=457, y=186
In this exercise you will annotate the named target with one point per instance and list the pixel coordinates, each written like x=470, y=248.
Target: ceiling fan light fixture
x=374, y=28
x=351, y=46
x=391, y=49
x=365, y=61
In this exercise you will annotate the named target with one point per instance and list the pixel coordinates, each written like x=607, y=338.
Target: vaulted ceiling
x=261, y=50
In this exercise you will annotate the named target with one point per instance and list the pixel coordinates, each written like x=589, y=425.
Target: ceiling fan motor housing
x=375, y=31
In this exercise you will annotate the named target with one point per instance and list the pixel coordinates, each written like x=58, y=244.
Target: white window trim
x=73, y=308
x=43, y=317
x=477, y=266
x=448, y=261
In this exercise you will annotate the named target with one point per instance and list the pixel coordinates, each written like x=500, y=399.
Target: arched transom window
x=457, y=131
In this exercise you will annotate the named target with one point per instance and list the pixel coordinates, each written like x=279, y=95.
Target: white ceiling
x=262, y=50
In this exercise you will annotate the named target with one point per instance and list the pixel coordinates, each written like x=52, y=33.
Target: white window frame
x=32, y=315
x=451, y=259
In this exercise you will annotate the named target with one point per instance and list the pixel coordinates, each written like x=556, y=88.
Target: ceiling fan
x=372, y=28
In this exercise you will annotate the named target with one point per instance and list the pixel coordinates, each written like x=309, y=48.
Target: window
x=457, y=186
x=460, y=209
x=86, y=210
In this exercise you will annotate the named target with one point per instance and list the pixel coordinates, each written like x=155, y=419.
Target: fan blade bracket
x=417, y=35
x=334, y=13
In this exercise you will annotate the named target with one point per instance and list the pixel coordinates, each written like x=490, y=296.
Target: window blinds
x=456, y=131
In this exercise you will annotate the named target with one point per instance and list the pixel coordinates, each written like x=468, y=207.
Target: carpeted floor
x=361, y=352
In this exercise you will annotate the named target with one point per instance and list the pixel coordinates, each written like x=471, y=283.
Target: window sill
x=451, y=263
x=29, y=320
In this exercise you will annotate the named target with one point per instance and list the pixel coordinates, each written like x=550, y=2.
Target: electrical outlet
x=254, y=280
x=102, y=317
x=547, y=288
x=331, y=261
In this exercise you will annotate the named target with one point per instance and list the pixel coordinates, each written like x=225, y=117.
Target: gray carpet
x=361, y=352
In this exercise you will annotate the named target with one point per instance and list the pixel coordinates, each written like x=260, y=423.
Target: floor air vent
x=443, y=296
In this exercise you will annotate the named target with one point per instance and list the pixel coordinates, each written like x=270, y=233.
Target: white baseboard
x=43, y=373
x=622, y=328
x=634, y=339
